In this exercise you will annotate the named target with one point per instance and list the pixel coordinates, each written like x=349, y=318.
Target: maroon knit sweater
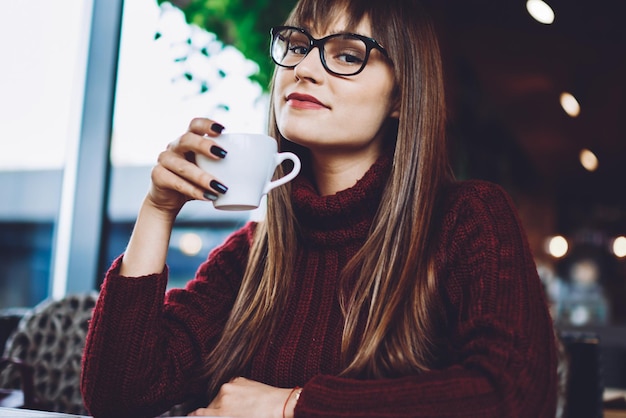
x=500, y=361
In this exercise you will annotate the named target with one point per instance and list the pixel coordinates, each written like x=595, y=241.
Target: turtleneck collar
x=344, y=217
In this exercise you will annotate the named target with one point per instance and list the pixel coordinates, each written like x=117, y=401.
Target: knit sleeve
x=144, y=347
x=499, y=337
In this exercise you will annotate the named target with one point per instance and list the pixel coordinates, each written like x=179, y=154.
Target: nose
x=311, y=67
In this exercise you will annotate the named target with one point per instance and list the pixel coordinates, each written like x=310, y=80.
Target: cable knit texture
x=145, y=347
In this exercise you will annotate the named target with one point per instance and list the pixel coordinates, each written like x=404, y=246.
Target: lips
x=304, y=101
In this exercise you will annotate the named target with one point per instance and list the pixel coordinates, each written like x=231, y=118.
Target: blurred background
x=92, y=91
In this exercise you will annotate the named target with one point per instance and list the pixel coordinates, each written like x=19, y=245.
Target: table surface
x=17, y=413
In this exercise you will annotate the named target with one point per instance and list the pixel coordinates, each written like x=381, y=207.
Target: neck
x=336, y=172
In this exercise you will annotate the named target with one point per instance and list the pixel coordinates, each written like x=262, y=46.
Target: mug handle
x=287, y=177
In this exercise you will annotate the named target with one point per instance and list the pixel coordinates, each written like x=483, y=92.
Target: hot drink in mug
x=247, y=169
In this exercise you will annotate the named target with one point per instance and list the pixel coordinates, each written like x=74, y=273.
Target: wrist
x=147, y=248
x=165, y=214
x=291, y=402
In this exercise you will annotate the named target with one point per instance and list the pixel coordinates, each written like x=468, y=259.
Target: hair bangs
x=320, y=15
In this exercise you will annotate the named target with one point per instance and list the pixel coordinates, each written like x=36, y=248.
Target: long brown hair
x=389, y=325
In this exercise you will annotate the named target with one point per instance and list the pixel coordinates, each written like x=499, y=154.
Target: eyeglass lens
x=343, y=54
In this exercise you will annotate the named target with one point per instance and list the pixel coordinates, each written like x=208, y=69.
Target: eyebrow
x=331, y=31
x=336, y=32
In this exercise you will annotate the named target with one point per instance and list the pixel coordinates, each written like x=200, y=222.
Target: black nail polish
x=216, y=127
x=218, y=186
x=209, y=195
x=218, y=151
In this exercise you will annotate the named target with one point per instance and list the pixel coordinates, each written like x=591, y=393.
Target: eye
x=298, y=44
x=298, y=49
x=346, y=51
x=349, y=57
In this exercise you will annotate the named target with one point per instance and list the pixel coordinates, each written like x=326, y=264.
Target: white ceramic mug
x=247, y=169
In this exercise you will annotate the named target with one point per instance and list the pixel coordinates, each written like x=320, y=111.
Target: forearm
x=123, y=327
x=480, y=390
x=147, y=248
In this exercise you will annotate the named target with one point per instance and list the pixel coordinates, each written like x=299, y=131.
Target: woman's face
x=335, y=114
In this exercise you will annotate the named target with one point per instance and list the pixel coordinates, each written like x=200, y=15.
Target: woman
x=376, y=285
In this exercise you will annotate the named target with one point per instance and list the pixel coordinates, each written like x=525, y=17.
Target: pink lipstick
x=304, y=101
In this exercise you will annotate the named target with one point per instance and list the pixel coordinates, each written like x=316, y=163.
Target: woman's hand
x=176, y=178
x=246, y=398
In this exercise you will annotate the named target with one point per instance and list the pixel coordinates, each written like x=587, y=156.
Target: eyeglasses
x=341, y=54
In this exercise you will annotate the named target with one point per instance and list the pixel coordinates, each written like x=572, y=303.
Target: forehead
x=339, y=24
x=325, y=19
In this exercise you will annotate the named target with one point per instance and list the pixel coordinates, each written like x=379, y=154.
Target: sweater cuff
x=132, y=289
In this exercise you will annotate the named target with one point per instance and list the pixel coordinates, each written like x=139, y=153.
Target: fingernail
x=218, y=186
x=209, y=195
x=218, y=151
x=217, y=128
x=190, y=156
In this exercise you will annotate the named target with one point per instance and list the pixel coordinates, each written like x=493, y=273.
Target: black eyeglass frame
x=370, y=43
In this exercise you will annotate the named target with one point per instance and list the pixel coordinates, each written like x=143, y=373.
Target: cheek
x=371, y=109
x=282, y=79
x=278, y=94
x=281, y=115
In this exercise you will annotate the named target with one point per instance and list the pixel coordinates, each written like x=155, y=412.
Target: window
x=44, y=54
x=168, y=73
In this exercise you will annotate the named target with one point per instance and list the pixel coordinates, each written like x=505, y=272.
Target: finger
x=204, y=126
x=200, y=412
x=195, y=413
x=164, y=179
x=190, y=172
x=191, y=142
